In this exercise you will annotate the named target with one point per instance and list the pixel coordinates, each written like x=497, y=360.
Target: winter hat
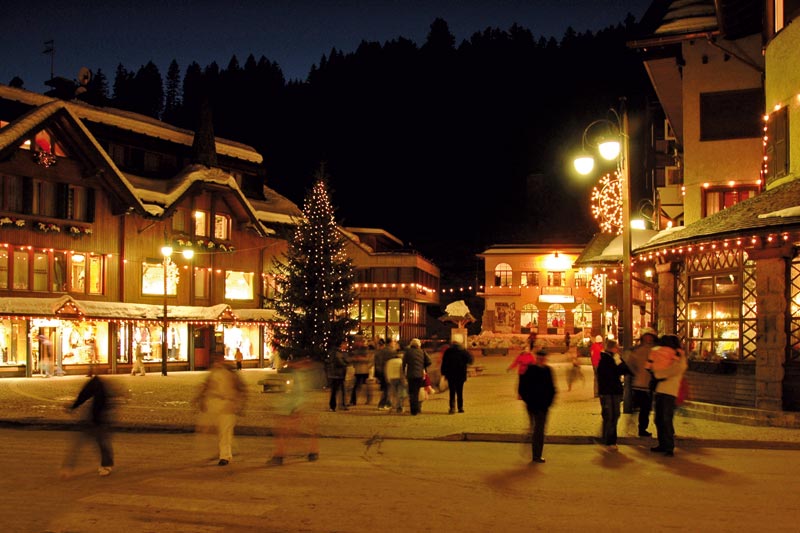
x=599, y=338
x=415, y=343
x=648, y=331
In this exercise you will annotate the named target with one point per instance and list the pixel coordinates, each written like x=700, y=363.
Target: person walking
x=537, y=389
x=238, y=357
x=294, y=414
x=455, y=361
x=522, y=360
x=96, y=426
x=336, y=370
x=415, y=362
x=386, y=351
x=640, y=386
x=221, y=401
x=361, y=359
x=138, y=363
x=594, y=352
x=609, y=385
x=398, y=388
x=668, y=364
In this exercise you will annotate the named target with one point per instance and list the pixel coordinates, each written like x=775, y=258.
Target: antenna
x=50, y=48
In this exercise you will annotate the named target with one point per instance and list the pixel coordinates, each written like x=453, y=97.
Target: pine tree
x=315, y=282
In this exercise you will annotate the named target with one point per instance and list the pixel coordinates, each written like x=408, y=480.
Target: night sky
x=293, y=33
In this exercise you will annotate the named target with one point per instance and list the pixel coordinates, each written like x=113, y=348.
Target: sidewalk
x=163, y=403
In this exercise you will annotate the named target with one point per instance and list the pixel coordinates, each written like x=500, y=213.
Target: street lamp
x=615, y=146
x=166, y=251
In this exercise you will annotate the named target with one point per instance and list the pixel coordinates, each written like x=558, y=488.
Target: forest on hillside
x=449, y=146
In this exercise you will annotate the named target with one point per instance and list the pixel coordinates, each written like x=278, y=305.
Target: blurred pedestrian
x=610, y=370
x=566, y=342
x=386, y=350
x=574, y=372
x=96, y=425
x=336, y=371
x=295, y=417
x=640, y=388
x=522, y=360
x=138, y=363
x=221, y=401
x=238, y=357
x=455, y=361
x=537, y=389
x=362, y=359
x=415, y=361
x=46, y=351
x=594, y=352
x=668, y=364
x=398, y=387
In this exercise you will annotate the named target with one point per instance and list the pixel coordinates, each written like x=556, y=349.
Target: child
x=522, y=361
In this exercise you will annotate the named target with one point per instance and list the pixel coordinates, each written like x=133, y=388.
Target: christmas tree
x=315, y=282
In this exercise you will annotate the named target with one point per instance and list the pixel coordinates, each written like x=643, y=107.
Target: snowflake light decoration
x=596, y=285
x=607, y=203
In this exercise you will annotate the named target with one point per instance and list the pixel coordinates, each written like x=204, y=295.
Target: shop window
x=366, y=311
x=380, y=310
x=529, y=318
x=222, y=227
x=716, y=199
x=582, y=278
x=238, y=285
x=582, y=316
x=201, y=224
x=556, y=318
x=394, y=311
x=503, y=275
x=713, y=332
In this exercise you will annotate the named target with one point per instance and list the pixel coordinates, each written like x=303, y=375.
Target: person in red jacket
x=594, y=350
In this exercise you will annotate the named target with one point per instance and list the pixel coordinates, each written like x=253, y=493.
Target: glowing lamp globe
x=166, y=251
x=584, y=164
x=609, y=149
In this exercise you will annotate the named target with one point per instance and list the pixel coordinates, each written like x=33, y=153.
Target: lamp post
x=166, y=251
x=616, y=147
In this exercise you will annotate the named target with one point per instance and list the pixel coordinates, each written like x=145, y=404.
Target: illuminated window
x=556, y=279
x=716, y=199
x=201, y=224
x=21, y=262
x=40, y=271
x=201, y=278
x=238, y=285
x=87, y=273
x=222, y=224
x=153, y=277
x=3, y=268
x=503, y=275
x=529, y=279
x=529, y=318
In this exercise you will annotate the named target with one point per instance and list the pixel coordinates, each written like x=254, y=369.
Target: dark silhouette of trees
x=471, y=140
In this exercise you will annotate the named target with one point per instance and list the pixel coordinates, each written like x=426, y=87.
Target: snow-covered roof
x=68, y=306
x=132, y=122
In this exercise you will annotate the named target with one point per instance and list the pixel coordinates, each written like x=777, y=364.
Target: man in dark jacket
x=415, y=361
x=96, y=426
x=454, y=367
x=336, y=370
x=537, y=390
x=609, y=387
